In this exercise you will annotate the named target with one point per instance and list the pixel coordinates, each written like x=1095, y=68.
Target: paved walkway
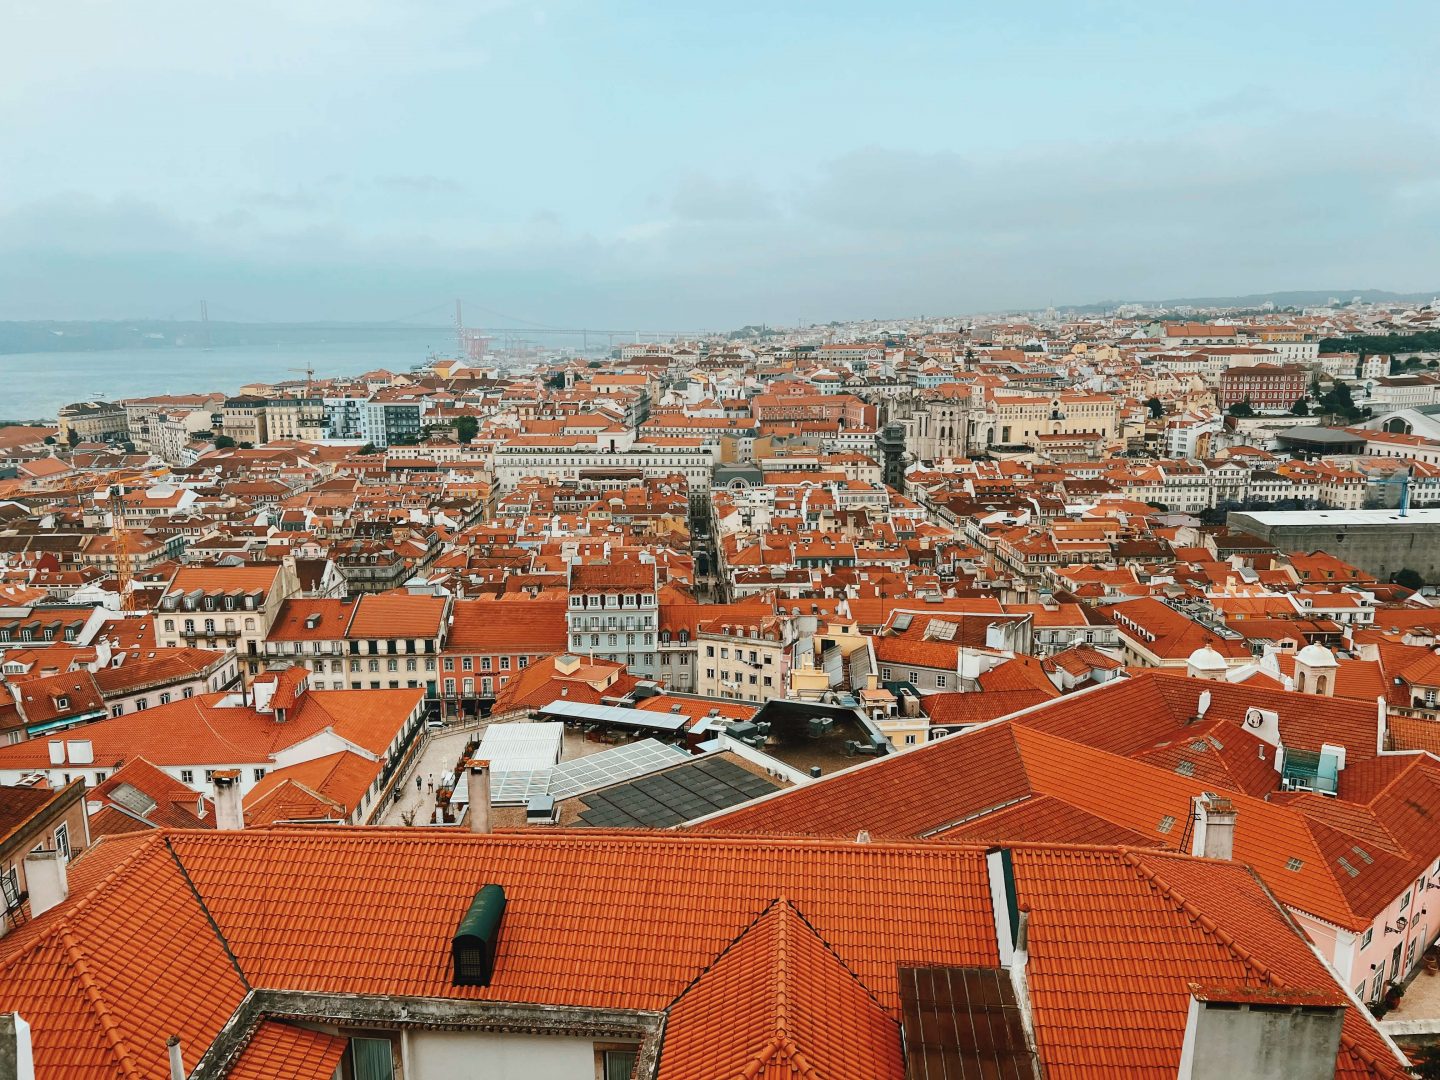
x=435, y=760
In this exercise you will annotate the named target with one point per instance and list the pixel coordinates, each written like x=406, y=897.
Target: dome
x=1206, y=659
x=1316, y=656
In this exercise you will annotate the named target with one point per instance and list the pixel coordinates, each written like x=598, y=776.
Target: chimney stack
x=177, y=1063
x=479, y=796
x=1214, y=827
x=1261, y=1033
x=229, y=808
x=17, y=1057
x=47, y=879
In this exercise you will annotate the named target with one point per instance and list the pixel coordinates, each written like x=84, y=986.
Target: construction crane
x=124, y=562
x=309, y=373
x=124, y=565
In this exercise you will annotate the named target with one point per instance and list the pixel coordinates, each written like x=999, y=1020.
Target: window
x=885, y=674
x=62, y=841
x=449, y=663
x=164, y=699
x=117, y=710
x=170, y=625
x=374, y=665
x=910, y=740
x=209, y=776
x=189, y=691
x=467, y=663
x=259, y=775
x=187, y=776
x=372, y=1059
x=620, y=1064
x=141, y=703
x=392, y=665
x=940, y=681
x=915, y=678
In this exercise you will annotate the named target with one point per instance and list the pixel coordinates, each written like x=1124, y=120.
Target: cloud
x=421, y=185
x=1221, y=208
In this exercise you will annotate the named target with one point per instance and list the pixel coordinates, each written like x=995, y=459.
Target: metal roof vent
x=477, y=939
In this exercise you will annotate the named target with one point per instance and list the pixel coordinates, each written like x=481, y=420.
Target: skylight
x=1294, y=864
x=1186, y=768
x=1166, y=823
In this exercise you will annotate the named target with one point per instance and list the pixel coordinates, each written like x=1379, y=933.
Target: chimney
x=479, y=796
x=177, y=1062
x=1261, y=1033
x=229, y=809
x=17, y=1057
x=47, y=879
x=1214, y=827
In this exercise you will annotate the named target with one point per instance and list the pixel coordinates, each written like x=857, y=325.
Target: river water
x=36, y=385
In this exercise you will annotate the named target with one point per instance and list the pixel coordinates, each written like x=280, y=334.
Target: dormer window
x=62, y=703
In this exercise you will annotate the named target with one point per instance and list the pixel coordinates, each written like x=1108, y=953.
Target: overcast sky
x=678, y=165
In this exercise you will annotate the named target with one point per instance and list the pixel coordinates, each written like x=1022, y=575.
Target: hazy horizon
x=575, y=164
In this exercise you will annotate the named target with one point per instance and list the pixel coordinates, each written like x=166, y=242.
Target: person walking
x=417, y=784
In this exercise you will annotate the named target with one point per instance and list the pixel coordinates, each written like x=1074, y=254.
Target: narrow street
x=435, y=760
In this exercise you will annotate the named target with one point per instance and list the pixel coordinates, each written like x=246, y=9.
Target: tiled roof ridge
x=1198, y=917
x=288, y=782
x=205, y=910
x=834, y=953
x=63, y=918
x=729, y=946
x=96, y=1000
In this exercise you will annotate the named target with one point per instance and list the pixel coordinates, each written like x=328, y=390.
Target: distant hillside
x=1300, y=299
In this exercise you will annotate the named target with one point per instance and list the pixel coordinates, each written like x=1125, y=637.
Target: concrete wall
x=1381, y=549
x=500, y=1056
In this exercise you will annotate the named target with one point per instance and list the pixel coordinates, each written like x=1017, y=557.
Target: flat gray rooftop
x=1338, y=517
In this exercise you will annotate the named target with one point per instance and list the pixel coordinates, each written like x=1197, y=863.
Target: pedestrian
x=432, y=783
x=417, y=785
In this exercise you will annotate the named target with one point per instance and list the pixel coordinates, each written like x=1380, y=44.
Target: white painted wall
x=441, y=1055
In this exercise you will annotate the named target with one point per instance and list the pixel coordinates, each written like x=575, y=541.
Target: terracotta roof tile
x=279, y=1050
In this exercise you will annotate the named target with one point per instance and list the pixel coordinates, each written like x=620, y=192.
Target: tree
x=73, y=438
x=1156, y=407
x=247, y=446
x=223, y=442
x=1409, y=579
x=1241, y=410
x=466, y=428
x=368, y=448
x=1300, y=408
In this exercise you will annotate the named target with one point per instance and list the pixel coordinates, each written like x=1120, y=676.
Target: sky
x=686, y=166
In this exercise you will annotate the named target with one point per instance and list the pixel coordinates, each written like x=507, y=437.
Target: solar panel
x=620, y=763
x=963, y=1022
x=132, y=799
x=680, y=793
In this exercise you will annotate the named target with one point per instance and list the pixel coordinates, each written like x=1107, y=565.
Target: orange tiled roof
x=281, y=1050
x=105, y=977
x=769, y=1008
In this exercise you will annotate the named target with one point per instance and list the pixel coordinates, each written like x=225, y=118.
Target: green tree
x=1300, y=408
x=223, y=442
x=1409, y=579
x=73, y=438
x=1156, y=407
x=466, y=428
x=368, y=448
x=1241, y=410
